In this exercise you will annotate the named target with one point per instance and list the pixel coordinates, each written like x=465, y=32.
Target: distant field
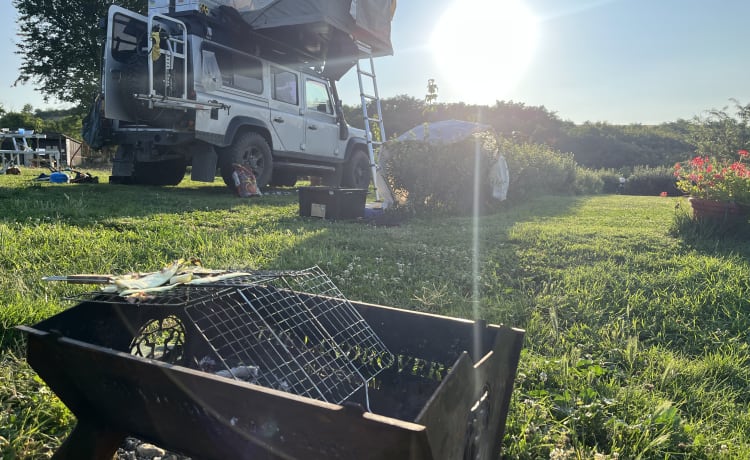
x=636, y=342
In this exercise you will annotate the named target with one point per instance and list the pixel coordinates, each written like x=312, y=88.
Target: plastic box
x=332, y=203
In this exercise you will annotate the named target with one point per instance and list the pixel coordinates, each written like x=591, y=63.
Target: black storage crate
x=332, y=203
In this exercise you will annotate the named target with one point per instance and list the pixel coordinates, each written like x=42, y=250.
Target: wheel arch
x=354, y=144
x=241, y=124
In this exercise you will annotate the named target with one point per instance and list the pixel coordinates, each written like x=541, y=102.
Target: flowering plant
x=711, y=179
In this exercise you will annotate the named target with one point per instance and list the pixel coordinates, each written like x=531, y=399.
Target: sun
x=483, y=47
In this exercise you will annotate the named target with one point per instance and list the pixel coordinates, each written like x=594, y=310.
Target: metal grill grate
x=179, y=295
x=292, y=331
x=289, y=330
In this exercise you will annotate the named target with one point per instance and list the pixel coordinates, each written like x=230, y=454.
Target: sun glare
x=483, y=47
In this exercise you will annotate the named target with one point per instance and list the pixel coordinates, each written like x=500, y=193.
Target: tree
x=24, y=119
x=61, y=46
x=719, y=133
x=432, y=92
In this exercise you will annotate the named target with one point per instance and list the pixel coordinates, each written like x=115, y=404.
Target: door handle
x=312, y=127
x=278, y=120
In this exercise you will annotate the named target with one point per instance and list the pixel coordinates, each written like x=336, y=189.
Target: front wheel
x=251, y=150
x=357, y=171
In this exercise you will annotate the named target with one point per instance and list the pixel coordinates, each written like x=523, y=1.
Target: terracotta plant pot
x=717, y=210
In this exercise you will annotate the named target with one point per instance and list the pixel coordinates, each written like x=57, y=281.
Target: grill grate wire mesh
x=292, y=331
x=296, y=331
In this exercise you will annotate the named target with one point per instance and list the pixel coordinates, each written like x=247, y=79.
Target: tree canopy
x=594, y=145
x=61, y=46
x=66, y=122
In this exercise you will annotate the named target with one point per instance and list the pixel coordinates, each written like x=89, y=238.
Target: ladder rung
x=368, y=96
x=368, y=74
x=373, y=119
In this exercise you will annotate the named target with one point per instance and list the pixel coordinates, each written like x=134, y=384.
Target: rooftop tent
x=325, y=29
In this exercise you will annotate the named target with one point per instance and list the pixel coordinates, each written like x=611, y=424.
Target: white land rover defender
x=213, y=87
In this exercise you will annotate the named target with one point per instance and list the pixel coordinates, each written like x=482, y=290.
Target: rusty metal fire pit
x=270, y=368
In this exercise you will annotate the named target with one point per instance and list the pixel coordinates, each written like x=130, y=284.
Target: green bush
x=588, y=182
x=610, y=180
x=647, y=181
x=536, y=170
x=440, y=177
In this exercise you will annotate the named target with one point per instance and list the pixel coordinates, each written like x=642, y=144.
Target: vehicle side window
x=239, y=71
x=211, y=75
x=285, y=86
x=126, y=33
x=317, y=97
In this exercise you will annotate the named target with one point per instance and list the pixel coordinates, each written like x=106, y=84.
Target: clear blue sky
x=619, y=61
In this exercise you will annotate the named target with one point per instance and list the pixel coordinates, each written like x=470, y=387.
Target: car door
x=321, y=128
x=286, y=114
x=126, y=32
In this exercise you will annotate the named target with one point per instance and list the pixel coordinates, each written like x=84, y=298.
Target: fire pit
x=275, y=365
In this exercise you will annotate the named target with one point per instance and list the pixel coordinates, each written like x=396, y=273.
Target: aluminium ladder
x=365, y=98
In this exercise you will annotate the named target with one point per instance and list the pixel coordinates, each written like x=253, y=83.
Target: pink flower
x=715, y=179
x=663, y=194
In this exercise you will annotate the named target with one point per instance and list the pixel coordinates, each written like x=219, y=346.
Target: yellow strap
x=155, y=49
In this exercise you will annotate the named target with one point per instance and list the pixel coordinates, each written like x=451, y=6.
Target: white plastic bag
x=500, y=179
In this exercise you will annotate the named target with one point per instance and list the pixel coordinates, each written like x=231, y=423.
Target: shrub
x=610, y=180
x=536, y=169
x=440, y=177
x=587, y=182
x=647, y=181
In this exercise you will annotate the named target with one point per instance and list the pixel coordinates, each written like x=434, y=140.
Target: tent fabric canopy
x=444, y=131
x=325, y=29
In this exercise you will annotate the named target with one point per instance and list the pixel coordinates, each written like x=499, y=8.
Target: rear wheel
x=357, y=171
x=251, y=150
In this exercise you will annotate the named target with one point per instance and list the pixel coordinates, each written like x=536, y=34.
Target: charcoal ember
x=135, y=449
x=246, y=373
x=149, y=451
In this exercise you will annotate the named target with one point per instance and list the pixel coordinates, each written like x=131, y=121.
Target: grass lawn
x=636, y=342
